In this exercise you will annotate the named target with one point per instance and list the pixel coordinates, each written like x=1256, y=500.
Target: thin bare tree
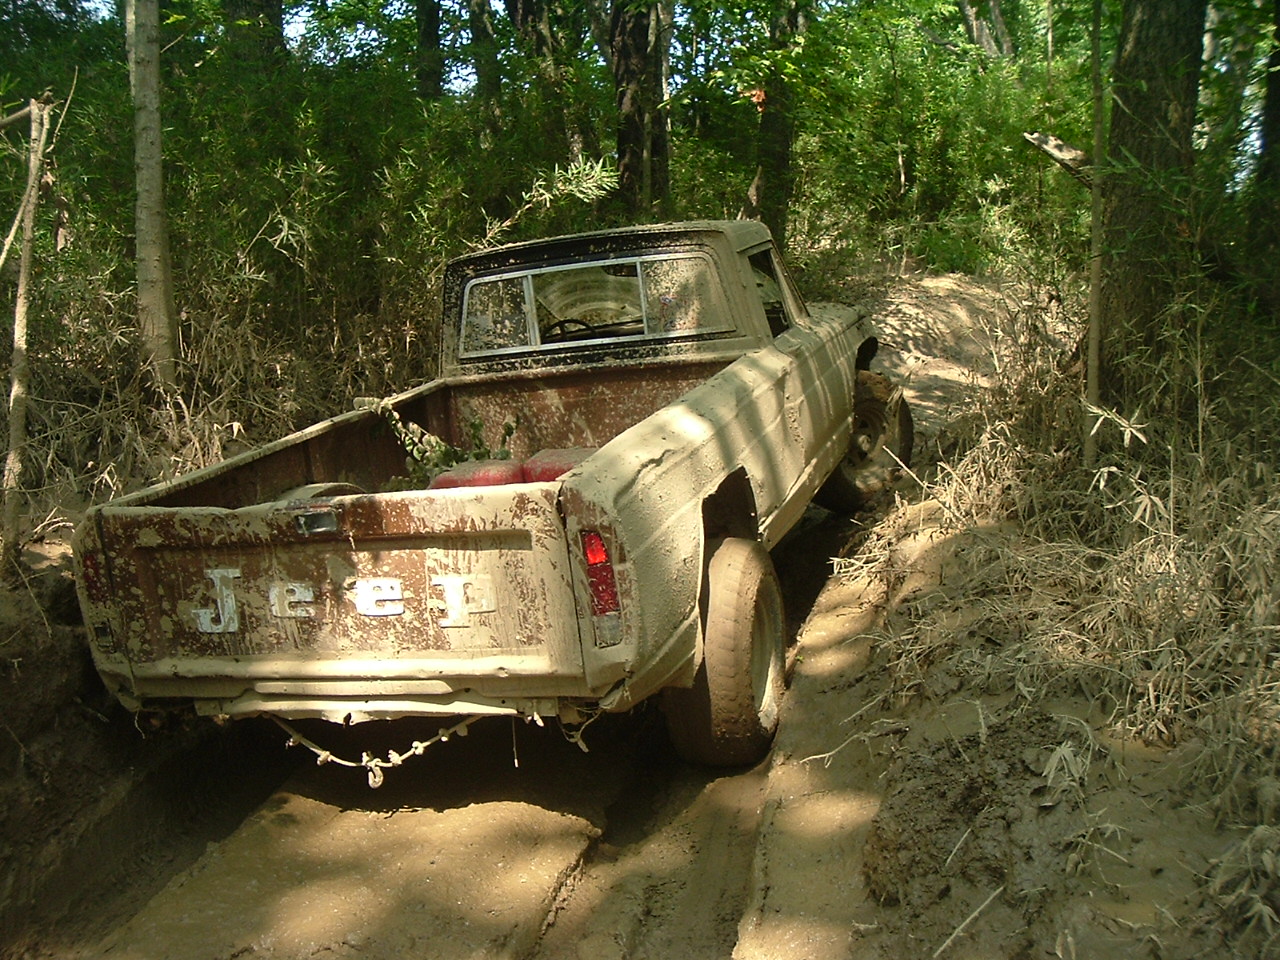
x=157, y=319
x=19, y=371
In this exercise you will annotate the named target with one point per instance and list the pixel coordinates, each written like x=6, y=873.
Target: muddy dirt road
x=463, y=855
x=508, y=842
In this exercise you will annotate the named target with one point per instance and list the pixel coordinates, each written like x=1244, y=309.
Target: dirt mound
x=978, y=820
x=956, y=814
x=86, y=789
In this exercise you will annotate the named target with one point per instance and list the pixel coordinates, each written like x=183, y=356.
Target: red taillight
x=593, y=546
x=604, y=588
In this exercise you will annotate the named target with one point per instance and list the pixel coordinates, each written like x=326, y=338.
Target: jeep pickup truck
x=670, y=410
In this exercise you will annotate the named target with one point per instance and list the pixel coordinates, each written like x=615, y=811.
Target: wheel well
x=867, y=350
x=728, y=512
x=731, y=510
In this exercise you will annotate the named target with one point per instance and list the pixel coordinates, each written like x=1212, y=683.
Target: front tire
x=880, y=444
x=730, y=714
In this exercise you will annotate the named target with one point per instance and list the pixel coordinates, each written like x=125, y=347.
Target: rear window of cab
x=672, y=295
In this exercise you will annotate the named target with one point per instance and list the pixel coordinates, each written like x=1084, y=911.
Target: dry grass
x=1246, y=886
x=98, y=429
x=260, y=357
x=1146, y=587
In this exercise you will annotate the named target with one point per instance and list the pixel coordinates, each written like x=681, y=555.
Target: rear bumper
x=349, y=710
x=351, y=691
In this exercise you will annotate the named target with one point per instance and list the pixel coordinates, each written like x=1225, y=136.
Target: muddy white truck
x=661, y=408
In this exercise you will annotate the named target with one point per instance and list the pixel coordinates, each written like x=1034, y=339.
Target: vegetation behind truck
x=665, y=409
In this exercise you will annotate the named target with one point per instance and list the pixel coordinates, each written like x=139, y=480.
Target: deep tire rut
x=672, y=875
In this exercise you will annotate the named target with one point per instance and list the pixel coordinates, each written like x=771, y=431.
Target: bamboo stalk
x=1093, y=362
x=19, y=372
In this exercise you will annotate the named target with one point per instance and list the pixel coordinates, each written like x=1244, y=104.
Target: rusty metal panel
x=395, y=577
x=357, y=448
x=573, y=409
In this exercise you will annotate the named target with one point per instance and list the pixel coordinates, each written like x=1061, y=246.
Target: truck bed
x=572, y=408
x=287, y=577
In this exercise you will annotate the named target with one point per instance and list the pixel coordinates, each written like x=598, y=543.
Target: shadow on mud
x=187, y=789
x=803, y=558
x=499, y=759
x=506, y=759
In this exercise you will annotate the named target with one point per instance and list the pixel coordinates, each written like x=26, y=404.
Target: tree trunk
x=1264, y=213
x=769, y=196
x=532, y=20
x=1048, y=48
x=600, y=26
x=629, y=31
x=1001, y=29
x=255, y=53
x=637, y=57
x=157, y=321
x=1230, y=52
x=1097, y=214
x=484, y=50
x=1148, y=227
x=18, y=367
x=255, y=34
x=661, y=28
x=985, y=32
x=1267, y=177
x=430, y=69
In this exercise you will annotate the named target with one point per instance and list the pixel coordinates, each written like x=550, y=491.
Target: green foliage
x=709, y=181
x=429, y=455
x=587, y=181
x=912, y=145
x=313, y=197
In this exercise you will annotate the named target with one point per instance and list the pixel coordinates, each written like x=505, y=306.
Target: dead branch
x=934, y=37
x=45, y=99
x=1072, y=159
x=17, y=117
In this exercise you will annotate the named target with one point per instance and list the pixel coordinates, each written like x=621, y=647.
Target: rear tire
x=879, y=446
x=730, y=714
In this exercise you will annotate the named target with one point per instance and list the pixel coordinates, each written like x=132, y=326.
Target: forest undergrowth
x=100, y=427
x=1144, y=584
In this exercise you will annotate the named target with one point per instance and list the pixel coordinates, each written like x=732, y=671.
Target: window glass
x=617, y=299
x=681, y=296
x=584, y=303
x=770, y=287
x=494, y=317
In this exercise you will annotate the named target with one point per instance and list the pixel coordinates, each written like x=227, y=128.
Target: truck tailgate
x=416, y=586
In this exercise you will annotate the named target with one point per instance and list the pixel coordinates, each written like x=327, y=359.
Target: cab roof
x=741, y=235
